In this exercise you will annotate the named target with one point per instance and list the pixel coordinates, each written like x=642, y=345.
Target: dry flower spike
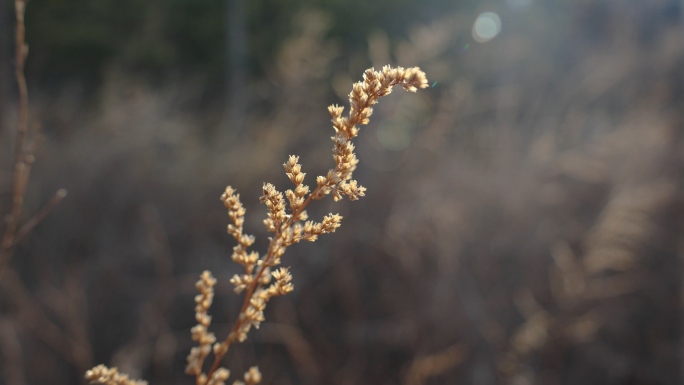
x=288, y=221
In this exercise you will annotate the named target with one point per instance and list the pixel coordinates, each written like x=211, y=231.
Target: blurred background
x=522, y=224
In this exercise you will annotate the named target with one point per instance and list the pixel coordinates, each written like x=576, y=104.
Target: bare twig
x=23, y=155
x=20, y=174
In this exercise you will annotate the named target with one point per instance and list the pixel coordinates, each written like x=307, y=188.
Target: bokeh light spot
x=486, y=27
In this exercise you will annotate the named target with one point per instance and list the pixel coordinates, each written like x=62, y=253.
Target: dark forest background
x=522, y=224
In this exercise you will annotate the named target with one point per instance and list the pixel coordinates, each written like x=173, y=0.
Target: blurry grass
x=534, y=217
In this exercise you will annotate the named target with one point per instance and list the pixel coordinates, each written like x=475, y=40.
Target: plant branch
x=256, y=282
x=20, y=174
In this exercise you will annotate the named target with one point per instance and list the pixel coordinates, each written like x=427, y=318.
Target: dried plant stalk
x=261, y=280
x=23, y=153
x=21, y=170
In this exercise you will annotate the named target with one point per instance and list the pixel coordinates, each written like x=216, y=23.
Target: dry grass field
x=522, y=222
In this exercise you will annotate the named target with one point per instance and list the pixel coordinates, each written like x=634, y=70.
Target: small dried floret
x=219, y=377
x=220, y=348
x=352, y=190
x=110, y=376
x=296, y=201
x=273, y=199
x=265, y=276
x=335, y=111
x=195, y=361
x=283, y=283
x=330, y=223
x=294, y=170
x=253, y=376
x=270, y=225
x=241, y=281
x=282, y=274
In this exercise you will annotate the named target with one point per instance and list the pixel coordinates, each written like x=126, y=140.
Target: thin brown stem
x=21, y=171
x=255, y=284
